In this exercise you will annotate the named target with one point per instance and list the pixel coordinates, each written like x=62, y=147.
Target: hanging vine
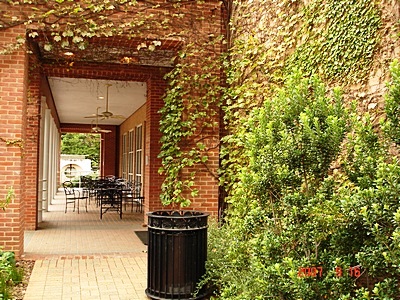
x=16, y=142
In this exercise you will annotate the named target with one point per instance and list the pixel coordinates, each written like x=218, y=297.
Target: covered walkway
x=79, y=256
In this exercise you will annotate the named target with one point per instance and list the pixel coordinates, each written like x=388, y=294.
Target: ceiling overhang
x=77, y=98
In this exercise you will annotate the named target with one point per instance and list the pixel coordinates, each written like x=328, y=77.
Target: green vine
x=338, y=39
x=188, y=123
x=9, y=197
x=18, y=142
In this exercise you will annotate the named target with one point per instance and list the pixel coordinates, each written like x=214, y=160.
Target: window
x=139, y=153
x=131, y=150
x=124, y=157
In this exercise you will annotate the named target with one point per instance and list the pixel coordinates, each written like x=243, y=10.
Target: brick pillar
x=13, y=82
x=155, y=90
x=206, y=180
x=109, y=159
x=32, y=142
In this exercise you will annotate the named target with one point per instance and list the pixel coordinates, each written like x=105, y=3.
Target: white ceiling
x=76, y=98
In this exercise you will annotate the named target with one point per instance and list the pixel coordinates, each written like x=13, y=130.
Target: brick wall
x=13, y=80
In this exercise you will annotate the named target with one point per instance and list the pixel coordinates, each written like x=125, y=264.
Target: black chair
x=110, y=198
x=98, y=186
x=88, y=187
x=127, y=195
x=134, y=196
x=73, y=196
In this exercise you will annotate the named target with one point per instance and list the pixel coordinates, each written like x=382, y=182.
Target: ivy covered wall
x=309, y=163
x=349, y=44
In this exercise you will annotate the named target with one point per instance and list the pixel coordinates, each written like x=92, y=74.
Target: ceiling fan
x=106, y=114
x=96, y=128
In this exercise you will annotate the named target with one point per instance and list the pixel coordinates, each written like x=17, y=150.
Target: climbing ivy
x=338, y=39
x=10, y=196
x=189, y=122
x=13, y=142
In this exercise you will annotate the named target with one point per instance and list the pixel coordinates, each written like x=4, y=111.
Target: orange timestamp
x=339, y=271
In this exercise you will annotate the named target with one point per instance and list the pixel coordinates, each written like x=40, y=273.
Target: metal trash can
x=177, y=252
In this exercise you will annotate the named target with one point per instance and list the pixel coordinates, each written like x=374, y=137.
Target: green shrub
x=321, y=191
x=392, y=107
x=10, y=274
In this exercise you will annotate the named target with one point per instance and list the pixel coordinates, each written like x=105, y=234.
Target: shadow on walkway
x=79, y=256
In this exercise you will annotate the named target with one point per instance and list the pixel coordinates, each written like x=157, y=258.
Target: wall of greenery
x=312, y=176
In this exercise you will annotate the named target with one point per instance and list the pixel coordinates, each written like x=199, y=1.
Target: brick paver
x=79, y=256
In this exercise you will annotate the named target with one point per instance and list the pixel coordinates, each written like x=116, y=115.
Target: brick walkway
x=79, y=256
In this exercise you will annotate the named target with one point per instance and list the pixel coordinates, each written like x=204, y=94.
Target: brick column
x=13, y=82
x=32, y=142
x=155, y=90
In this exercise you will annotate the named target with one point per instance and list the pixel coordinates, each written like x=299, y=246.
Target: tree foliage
x=82, y=144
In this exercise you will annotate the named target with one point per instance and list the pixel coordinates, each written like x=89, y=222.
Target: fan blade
x=93, y=116
x=118, y=117
x=108, y=115
x=97, y=129
x=111, y=116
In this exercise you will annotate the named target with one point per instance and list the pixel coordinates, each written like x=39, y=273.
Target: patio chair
x=134, y=196
x=88, y=187
x=110, y=199
x=73, y=196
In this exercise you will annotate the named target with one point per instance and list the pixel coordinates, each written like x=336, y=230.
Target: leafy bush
x=316, y=214
x=392, y=107
x=10, y=274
